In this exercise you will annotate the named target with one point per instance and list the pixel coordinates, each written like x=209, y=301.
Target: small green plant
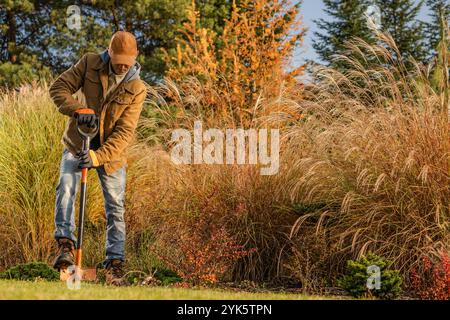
x=30, y=271
x=362, y=275
x=167, y=276
x=431, y=279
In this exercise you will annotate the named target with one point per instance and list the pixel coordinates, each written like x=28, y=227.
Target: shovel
x=87, y=274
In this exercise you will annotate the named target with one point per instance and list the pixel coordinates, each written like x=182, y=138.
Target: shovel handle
x=84, y=174
x=92, y=133
x=84, y=111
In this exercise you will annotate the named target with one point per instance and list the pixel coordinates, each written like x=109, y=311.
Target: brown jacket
x=118, y=113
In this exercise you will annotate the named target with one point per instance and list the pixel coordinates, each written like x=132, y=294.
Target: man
x=110, y=85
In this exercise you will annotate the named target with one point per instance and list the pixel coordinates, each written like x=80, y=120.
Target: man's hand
x=85, y=160
x=89, y=119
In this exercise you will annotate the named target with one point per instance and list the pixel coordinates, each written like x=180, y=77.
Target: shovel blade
x=88, y=274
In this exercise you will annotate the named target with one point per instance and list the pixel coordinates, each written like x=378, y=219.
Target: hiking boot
x=65, y=254
x=114, y=273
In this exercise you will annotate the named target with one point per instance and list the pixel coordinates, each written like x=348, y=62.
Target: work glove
x=85, y=160
x=88, y=119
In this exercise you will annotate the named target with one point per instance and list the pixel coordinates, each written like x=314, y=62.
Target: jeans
x=113, y=187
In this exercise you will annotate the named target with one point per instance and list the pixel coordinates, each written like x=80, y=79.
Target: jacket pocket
x=123, y=97
x=117, y=107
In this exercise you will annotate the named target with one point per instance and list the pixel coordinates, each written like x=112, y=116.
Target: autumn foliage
x=253, y=61
x=431, y=280
x=199, y=247
x=228, y=80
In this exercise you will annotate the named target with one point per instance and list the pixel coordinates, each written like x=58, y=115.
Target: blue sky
x=312, y=10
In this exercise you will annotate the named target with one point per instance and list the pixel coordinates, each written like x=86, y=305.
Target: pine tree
x=437, y=8
x=154, y=23
x=19, y=62
x=213, y=13
x=348, y=20
x=399, y=19
x=34, y=35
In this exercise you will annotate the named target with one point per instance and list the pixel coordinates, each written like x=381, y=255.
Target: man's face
x=120, y=68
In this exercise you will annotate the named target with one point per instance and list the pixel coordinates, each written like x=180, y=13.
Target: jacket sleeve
x=123, y=132
x=69, y=82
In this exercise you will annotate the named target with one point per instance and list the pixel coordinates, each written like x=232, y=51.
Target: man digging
x=110, y=85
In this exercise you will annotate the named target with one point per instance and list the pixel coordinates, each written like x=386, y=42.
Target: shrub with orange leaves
x=252, y=63
x=199, y=248
x=432, y=280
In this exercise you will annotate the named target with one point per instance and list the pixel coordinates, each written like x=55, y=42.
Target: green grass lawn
x=13, y=289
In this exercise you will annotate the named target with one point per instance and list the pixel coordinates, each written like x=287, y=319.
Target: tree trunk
x=115, y=20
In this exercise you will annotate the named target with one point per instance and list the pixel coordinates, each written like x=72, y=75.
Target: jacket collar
x=103, y=64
